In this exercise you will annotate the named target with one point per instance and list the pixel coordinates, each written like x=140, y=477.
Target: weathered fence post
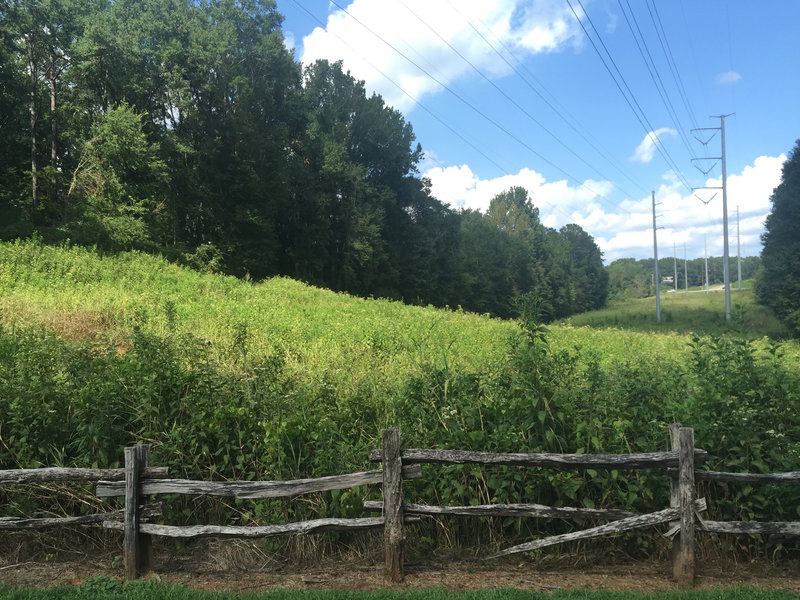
x=137, y=546
x=683, y=551
x=393, y=534
x=674, y=498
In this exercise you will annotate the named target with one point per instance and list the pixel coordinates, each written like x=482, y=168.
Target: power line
x=676, y=73
x=418, y=103
x=469, y=104
x=521, y=108
x=413, y=99
x=640, y=115
x=559, y=110
x=655, y=76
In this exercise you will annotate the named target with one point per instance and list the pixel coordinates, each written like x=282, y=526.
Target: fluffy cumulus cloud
x=624, y=228
x=646, y=150
x=557, y=200
x=728, y=77
x=390, y=44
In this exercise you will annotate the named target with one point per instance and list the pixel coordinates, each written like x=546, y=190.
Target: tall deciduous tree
x=588, y=277
x=779, y=282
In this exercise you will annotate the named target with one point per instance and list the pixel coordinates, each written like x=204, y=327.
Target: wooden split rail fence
x=138, y=481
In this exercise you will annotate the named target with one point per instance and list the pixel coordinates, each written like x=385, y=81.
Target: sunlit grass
x=692, y=312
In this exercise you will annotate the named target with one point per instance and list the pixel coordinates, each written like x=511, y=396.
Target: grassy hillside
x=275, y=380
x=694, y=311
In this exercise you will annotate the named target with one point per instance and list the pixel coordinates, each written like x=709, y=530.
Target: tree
x=778, y=285
x=589, y=280
x=121, y=181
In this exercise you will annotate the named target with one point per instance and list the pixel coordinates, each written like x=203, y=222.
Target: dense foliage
x=779, y=281
x=187, y=128
x=279, y=380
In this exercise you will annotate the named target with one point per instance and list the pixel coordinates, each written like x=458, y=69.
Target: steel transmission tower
x=724, y=187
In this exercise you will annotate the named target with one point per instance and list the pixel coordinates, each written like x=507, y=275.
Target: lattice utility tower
x=724, y=188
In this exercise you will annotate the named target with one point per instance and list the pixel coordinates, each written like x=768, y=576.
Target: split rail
x=138, y=481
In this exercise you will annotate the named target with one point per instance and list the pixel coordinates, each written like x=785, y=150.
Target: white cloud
x=624, y=228
x=409, y=26
x=461, y=188
x=728, y=77
x=288, y=40
x=644, y=152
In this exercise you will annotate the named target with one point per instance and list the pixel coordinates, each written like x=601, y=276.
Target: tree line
x=186, y=127
x=632, y=278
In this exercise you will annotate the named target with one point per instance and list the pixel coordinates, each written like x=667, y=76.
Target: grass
x=103, y=588
x=693, y=312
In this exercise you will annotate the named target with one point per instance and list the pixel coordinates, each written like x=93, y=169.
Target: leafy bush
x=228, y=380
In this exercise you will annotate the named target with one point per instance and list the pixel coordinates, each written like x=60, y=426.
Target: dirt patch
x=363, y=575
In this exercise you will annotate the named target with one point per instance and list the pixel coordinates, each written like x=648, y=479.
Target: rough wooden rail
x=642, y=460
x=619, y=526
x=253, y=489
x=53, y=474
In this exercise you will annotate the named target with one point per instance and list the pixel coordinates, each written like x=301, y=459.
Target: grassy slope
x=695, y=311
x=86, y=296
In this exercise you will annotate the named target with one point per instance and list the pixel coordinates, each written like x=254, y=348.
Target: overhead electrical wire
x=409, y=96
x=639, y=114
x=559, y=109
x=516, y=104
x=468, y=104
x=426, y=109
x=676, y=72
x=655, y=76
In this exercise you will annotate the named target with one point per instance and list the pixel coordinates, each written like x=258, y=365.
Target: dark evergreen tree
x=778, y=284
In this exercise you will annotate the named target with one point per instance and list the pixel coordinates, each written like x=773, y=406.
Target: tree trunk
x=53, y=131
x=32, y=107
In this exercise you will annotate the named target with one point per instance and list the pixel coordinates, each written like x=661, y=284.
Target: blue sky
x=506, y=92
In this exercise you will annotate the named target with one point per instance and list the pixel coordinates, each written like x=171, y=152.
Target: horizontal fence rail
x=56, y=474
x=790, y=528
x=155, y=509
x=787, y=477
x=509, y=510
x=643, y=460
x=254, y=531
x=251, y=490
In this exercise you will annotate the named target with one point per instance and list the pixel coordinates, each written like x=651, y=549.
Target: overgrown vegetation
x=280, y=380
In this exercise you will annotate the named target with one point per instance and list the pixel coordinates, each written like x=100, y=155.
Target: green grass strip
x=101, y=588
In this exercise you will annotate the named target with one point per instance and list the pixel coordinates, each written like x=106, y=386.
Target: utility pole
x=655, y=259
x=675, y=265
x=726, y=254
x=738, y=249
x=726, y=272
x=705, y=251
x=685, y=271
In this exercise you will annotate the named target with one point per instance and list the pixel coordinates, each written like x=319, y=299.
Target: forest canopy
x=188, y=129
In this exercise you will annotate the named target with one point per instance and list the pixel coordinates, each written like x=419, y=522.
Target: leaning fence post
x=393, y=534
x=683, y=552
x=137, y=546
